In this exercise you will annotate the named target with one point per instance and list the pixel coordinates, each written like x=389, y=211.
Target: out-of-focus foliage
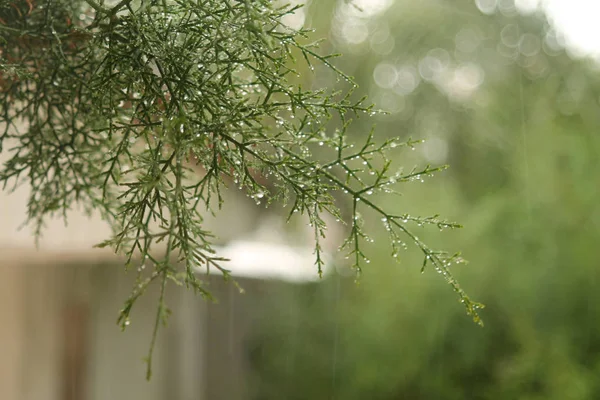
x=516, y=118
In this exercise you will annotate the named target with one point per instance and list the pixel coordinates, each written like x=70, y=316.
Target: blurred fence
x=59, y=340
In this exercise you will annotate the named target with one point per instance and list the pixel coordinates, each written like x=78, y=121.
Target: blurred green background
x=496, y=95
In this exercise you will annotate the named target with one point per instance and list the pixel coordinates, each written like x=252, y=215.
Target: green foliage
x=525, y=147
x=144, y=111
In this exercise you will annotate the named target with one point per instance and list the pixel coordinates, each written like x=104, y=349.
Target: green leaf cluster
x=144, y=111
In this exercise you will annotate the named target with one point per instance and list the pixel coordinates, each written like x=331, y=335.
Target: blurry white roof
x=263, y=260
